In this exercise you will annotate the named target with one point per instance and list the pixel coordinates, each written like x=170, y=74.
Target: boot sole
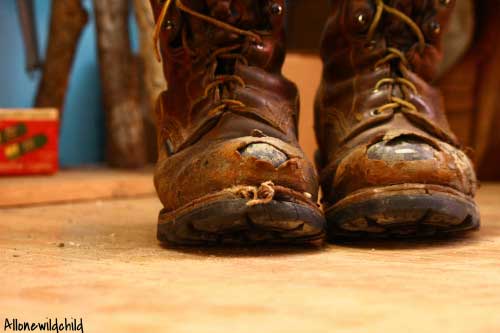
x=402, y=211
x=225, y=220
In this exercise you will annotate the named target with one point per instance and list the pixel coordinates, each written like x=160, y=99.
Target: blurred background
x=82, y=131
x=469, y=75
x=82, y=242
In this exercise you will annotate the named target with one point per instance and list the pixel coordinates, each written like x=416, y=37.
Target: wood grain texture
x=470, y=90
x=75, y=185
x=152, y=80
x=67, y=21
x=126, y=144
x=111, y=271
x=487, y=49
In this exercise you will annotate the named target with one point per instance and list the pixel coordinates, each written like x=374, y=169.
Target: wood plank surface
x=101, y=261
x=73, y=185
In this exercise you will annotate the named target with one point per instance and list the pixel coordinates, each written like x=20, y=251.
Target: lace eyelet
x=374, y=112
x=168, y=25
x=370, y=45
x=258, y=45
x=276, y=9
x=435, y=28
x=361, y=19
x=445, y=3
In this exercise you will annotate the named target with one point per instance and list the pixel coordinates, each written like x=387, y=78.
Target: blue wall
x=82, y=133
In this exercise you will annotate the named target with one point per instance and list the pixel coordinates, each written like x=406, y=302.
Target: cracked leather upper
x=348, y=119
x=202, y=137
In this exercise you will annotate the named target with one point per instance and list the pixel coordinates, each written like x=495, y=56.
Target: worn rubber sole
x=228, y=220
x=402, y=211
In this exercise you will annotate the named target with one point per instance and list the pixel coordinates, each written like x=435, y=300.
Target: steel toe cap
x=209, y=167
x=400, y=160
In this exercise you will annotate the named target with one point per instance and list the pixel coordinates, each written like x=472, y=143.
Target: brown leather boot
x=389, y=164
x=230, y=169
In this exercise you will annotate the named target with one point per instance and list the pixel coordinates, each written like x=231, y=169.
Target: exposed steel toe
x=389, y=165
x=230, y=169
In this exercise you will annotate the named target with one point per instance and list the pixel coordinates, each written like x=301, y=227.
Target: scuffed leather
x=355, y=171
x=210, y=167
x=201, y=143
x=346, y=118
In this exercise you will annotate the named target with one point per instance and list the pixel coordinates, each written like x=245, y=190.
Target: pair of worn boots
x=230, y=168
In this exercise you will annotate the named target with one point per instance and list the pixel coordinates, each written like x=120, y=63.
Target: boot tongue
x=223, y=10
x=243, y=14
x=399, y=34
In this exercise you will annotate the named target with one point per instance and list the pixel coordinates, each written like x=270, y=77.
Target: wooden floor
x=98, y=259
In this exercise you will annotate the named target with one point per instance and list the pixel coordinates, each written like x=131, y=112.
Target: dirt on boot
x=389, y=165
x=230, y=169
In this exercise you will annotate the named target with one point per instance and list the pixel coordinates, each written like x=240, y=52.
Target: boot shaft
x=222, y=57
x=360, y=32
x=191, y=31
x=389, y=165
x=229, y=166
x=380, y=57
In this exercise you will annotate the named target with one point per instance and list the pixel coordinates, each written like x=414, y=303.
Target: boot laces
x=394, y=54
x=226, y=52
x=396, y=103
